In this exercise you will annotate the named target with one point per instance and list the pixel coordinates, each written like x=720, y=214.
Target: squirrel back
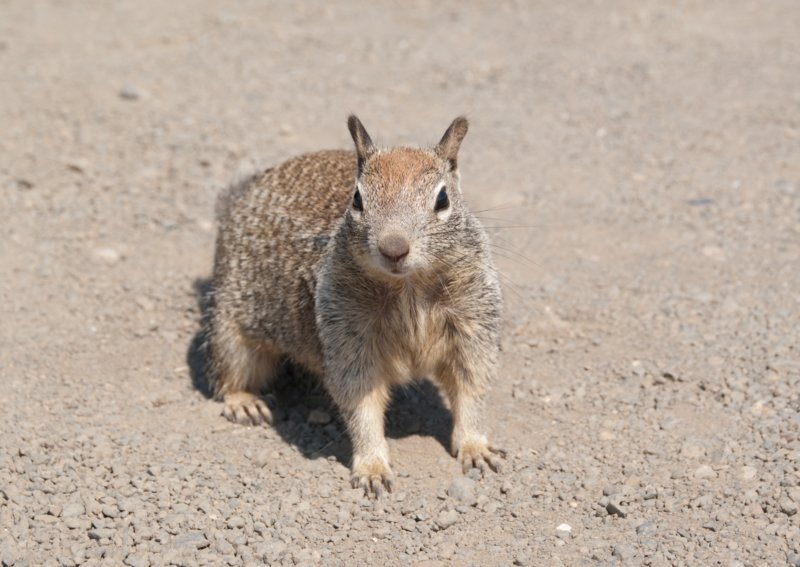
x=274, y=227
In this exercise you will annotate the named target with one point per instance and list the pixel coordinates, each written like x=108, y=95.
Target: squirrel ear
x=451, y=141
x=364, y=145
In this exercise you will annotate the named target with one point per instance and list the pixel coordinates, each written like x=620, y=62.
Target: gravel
x=644, y=219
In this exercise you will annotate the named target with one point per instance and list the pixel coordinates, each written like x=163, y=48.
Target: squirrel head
x=407, y=208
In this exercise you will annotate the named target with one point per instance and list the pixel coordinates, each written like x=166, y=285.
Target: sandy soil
x=639, y=164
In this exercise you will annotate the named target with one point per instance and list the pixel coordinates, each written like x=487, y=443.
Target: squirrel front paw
x=372, y=476
x=477, y=453
x=248, y=409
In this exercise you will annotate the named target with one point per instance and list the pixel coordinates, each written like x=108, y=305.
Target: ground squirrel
x=367, y=268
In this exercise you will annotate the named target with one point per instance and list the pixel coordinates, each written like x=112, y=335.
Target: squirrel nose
x=394, y=247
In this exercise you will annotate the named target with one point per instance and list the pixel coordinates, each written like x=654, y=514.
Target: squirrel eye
x=442, y=201
x=357, y=204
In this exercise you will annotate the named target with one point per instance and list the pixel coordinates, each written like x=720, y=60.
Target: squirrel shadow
x=416, y=409
x=197, y=354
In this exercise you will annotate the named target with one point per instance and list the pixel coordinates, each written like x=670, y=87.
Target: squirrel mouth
x=394, y=269
x=397, y=270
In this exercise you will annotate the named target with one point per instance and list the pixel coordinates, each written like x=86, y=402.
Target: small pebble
x=704, y=471
x=106, y=255
x=137, y=560
x=74, y=522
x=110, y=511
x=319, y=417
x=191, y=540
x=72, y=510
x=646, y=529
x=223, y=547
x=101, y=533
x=624, y=551
x=748, y=473
x=616, y=509
x=610, y=490
x=787, y=506
x=129, y=92
x=78, y=165
x=445, y=519
x=462, y=489
x=522, y=559
x=236, y=522
x=262, y=458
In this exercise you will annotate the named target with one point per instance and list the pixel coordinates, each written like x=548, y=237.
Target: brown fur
x=299, y=272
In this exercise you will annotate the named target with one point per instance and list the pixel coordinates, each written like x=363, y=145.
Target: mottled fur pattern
x=301, y=271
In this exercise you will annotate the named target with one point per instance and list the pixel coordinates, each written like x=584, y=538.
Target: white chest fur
x=407, y=336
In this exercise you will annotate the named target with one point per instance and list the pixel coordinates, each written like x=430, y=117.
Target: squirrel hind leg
x=243, y=367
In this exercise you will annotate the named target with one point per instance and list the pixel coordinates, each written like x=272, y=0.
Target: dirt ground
x=639, y=166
